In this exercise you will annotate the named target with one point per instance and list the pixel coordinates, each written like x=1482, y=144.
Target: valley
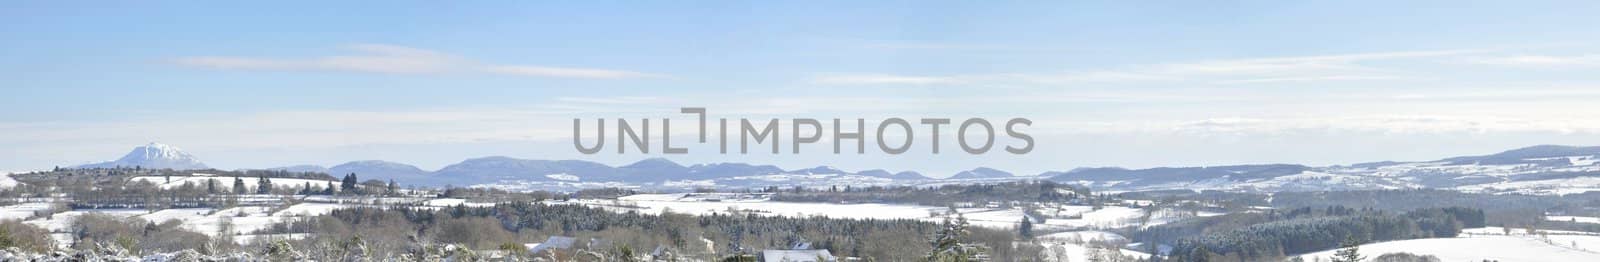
x=1086, y=214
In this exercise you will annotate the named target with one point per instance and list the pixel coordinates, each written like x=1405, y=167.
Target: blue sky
x=1107, y=84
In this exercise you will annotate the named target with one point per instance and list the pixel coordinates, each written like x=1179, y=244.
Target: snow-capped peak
x=155, y=155
x=158, y=151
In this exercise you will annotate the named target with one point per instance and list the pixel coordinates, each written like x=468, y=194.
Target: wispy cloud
x=1310, y=79
x=625, y=100
x=1345, y=67
x=392, y=59
x=1539, y=60
x=566, y=72
x=371, y=58
x=306, y=129
x=1032, y=78
x=885, y=79
x=1294, y=64
x=1384, y=123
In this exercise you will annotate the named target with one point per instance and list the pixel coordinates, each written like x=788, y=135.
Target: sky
x=1114, y=83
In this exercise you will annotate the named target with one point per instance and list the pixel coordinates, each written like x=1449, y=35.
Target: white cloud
x=1539, y=60
x=625, y=100
x=1388, y=124
x=1344, y=67
x=1295, y=64
x=371, y=58
x=1310, y=79
x=885, y=79
x=1056, y=78
x=391, y=59
x=305, y=129
x=545, y=71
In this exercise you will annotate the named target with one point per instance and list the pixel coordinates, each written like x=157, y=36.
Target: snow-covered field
x=992, y=217
x=703, y=204
x=60, y=222
x=1578, y=219
x=450, y=202
x=6, y=181
x=308, y=210
x=1069, y=252
x=1076, y=246
x=1563, y=186
x=561, y=184
x=1114, y=217
x=1490, y=243
x=239, y=222
x=858, y=211
x=1083, y=236
x=22, y=211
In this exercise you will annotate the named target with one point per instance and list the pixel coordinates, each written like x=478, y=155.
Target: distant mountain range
x=1545, y=169
x=1539, y=169
x=982, y=173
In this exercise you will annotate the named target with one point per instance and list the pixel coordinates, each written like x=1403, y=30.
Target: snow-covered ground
x=1065, y=217
x=6, y=181
x=992, y=217
x=1083, y=236
x=450, y=202
x=1490, y=244
x=239, y=222
x=859, y=211
x=701, y=197
x=561, y=184
x=60, y=222
x=703, y=204
x=1578, y=219
x=1115, y=217
x=1077, y=246
x=308, y=209
x=1106, y=217
x=22, y=211
x=562, y=177
x=1562, y=186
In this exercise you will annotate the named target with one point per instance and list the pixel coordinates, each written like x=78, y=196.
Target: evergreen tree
x=263, y=185
x=348, y=185
x=211, y=186
x=948, y=246
x=238, y=186
x=1350, y=251
x=393, y=188
x=1201, y=254
x=330, y=189
x=1026, y=228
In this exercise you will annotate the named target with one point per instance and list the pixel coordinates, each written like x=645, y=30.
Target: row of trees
x=1023, y=191
x=1305, y=232
x=714, y=236
x=211, y=191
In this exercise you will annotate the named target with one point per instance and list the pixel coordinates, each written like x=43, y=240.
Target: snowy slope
x=6, y=181
x=1501, y=248
x=1059, y=249
x=1577, y=219
x=1531, y=170
x=1489, y=244
x=22, y=211
x=154, y=156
